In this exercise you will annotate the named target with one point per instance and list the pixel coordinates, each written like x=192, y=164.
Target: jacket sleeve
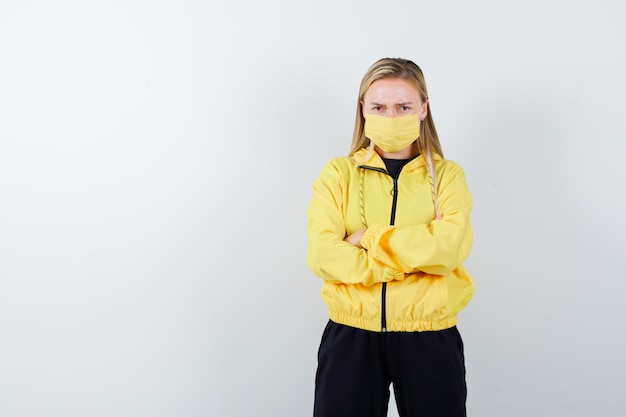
x=436, y=248
x=329, y=256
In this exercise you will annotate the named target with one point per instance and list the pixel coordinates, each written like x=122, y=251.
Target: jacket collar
x=360, y=157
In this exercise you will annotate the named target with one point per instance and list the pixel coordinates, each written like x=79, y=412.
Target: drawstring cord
x=433, y=182
x=361, y=203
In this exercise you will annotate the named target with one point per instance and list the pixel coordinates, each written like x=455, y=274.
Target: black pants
x=356, y=367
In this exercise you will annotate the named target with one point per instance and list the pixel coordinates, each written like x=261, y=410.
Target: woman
x=388, y=230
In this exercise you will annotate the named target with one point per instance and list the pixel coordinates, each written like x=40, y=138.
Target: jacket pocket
x=420, y=297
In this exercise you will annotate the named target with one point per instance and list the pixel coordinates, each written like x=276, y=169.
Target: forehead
x=391, y=90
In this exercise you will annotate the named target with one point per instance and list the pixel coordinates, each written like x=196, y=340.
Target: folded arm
x=329, y=256
x=437, y=247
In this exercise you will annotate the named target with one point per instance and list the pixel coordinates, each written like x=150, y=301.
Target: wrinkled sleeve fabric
x=328, y=255
x=438, y=247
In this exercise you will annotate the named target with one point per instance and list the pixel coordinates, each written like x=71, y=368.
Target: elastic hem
x=393, y=325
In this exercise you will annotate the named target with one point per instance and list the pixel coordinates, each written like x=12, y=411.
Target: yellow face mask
x=392, y=134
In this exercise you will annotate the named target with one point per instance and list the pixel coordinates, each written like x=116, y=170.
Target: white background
x=156, y=162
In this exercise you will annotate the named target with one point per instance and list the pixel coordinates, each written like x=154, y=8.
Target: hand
x=355, y=238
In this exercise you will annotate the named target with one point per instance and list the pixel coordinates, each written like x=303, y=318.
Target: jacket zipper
x=383, y=319
x=391, y=223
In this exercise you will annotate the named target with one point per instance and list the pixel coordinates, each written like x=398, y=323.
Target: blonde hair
x=428, y=141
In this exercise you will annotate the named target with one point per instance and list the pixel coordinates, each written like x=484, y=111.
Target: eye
x=376, y=108
x=405, y=108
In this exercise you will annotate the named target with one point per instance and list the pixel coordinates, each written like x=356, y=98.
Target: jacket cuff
x=367, y=241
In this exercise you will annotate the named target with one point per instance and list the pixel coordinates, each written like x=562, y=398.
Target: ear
x=424, y=111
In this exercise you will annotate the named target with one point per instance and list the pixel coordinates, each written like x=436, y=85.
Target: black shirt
x=394, y=166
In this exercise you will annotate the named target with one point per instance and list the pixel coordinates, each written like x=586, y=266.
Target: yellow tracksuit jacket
x=408, y=276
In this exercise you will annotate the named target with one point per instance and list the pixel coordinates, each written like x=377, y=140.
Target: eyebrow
x=398, y=104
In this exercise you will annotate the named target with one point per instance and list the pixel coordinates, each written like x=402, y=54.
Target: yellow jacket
x=408, y=276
